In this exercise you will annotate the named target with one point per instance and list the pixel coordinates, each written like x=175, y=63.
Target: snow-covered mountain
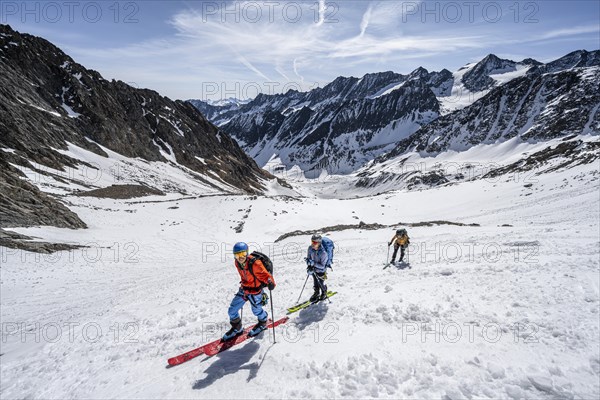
x=535, y=107
x=229, y=101
x=575, y=59
x=211, y=109
x=351, y=121
x=338, y=127
x=556, y=111
x=57, y=116
x=479, y=77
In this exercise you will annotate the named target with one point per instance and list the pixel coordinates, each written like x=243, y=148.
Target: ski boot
x=258, y=328
x=236, y=329
x=315, y=297
x=323, y=293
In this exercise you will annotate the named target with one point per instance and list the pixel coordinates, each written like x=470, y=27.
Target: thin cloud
x=322, y=11
x=372, y=46
x=251, y=67
x=364, y=24
x=295, y=65
x=281, y=72
x=560, y=33
x=313, y=49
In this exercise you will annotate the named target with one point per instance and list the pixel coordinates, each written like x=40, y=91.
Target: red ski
x=214, y=347
x=180, y=359
x=218, y=346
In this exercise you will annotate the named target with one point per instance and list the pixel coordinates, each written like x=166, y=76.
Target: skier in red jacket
x=254, y=278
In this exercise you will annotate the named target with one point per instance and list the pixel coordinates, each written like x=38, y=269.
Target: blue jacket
x=320, y=258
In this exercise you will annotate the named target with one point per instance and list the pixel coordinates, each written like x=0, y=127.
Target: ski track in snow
x=157, y=282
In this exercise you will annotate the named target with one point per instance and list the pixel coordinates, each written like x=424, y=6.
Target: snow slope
x=486, y=311
x=461, y=97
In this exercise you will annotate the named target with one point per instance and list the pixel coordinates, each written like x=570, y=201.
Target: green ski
x=306, y=304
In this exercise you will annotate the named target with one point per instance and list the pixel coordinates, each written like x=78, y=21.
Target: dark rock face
x=23, y=204
x=441, y=82
x=47, y=100
x=17, y=241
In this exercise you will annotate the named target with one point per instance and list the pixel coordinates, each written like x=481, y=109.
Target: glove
x=310, y=269
x=271, y=285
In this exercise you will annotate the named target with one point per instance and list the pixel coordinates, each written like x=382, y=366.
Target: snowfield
x=507, y=308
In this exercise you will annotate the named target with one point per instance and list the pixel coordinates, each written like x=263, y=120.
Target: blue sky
x=219, y=49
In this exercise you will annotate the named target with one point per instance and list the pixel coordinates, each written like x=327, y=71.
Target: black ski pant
x=396, y=252
x=319, y=278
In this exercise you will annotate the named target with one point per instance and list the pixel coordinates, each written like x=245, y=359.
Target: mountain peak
x=494, y=60
x=418, y=73
x=490, y=58
x=530, y=61
x=478, y=77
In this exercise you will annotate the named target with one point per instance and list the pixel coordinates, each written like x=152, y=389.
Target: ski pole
x=387, y=258
x=272, y=315
x=307, y=275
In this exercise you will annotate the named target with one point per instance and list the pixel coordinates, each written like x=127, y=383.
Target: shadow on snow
x=230, y=362
x=314, y=313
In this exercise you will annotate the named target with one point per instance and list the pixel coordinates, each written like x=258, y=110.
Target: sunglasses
x=313, y=242
x=241, y=254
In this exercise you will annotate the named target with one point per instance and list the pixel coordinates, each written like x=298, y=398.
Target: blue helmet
x=239, y=247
